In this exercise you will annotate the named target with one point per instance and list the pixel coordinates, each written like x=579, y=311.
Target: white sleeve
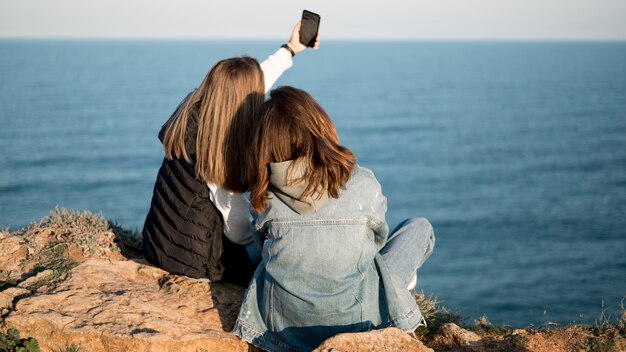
x=234, y=208
x=274, y=66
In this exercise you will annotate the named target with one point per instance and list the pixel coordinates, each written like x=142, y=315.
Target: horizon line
x=336, y=39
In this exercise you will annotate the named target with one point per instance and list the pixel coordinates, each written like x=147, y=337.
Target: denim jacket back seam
x=320, y=222
x=371, y=223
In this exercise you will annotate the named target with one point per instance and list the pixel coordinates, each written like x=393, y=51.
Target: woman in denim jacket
x=328, y=265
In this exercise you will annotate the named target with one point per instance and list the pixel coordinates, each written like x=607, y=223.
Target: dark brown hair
x=225, y=104
x=293, y=125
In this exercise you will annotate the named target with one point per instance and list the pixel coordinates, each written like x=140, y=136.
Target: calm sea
x=516, y=152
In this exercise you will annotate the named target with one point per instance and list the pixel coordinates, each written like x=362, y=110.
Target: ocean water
x=516, y=152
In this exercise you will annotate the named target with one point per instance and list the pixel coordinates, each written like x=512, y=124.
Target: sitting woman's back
x=323, y=221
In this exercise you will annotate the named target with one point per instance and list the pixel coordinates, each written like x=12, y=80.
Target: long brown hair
x=293, y=125
x=224, y=105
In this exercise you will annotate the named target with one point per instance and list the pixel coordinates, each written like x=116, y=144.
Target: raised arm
x=279, y=62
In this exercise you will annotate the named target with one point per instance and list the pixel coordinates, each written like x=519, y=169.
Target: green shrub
x=11, y=342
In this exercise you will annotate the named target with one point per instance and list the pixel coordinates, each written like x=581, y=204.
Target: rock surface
x=462, y=337
x=10, y=294
x=390, y=339
x=110, y=305
x=13, y=251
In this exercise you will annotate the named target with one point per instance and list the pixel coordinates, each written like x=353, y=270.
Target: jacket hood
x=283, y=176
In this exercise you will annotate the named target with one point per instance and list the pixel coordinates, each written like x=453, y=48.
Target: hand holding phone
x=309, y=27
x=295, y=44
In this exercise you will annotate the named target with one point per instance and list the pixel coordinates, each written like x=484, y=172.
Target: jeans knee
x=422, y=224
x=423, y=228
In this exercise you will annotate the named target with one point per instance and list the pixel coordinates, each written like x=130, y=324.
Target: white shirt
x=234, y=206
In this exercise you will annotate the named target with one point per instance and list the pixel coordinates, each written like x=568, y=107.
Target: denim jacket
x=321, y=273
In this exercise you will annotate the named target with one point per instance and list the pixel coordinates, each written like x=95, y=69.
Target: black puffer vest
x=182, y=233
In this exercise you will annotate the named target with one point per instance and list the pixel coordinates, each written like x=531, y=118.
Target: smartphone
x=310, y=24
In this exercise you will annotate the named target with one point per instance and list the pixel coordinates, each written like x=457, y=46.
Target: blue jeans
x=408, y=247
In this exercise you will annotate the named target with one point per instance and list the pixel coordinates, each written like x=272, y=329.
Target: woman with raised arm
x=198, y=222
x=329, y=265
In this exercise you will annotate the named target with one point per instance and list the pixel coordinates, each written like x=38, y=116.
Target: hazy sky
x=404, y=19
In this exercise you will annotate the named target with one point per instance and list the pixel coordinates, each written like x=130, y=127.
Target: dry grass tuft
x=86, y=230
x=608, y=335
x=60, y=241
x=483, y=326
x=90, y=232
x=434, y=313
